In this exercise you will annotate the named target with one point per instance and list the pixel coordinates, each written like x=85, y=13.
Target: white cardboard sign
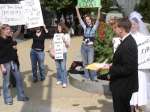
x=58, y=45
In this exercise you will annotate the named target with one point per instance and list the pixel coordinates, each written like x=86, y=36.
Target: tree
x=144, y=9
x=103, y=43
x=56, y=4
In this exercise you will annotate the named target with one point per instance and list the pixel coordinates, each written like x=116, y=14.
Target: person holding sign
x=87, y=47
x=60, y=44
x=37, y=52
x=8, y=57
x=138, y=30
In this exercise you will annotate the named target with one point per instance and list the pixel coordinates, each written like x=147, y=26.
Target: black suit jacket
x=124, y=70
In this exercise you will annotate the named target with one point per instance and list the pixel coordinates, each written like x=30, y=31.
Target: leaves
x=104, y=48
x=56, y=4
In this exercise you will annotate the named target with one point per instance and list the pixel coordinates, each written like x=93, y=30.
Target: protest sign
x=89, y=3
x=11, y=14
x=33, y=13
x=144, y=54
x=58, y=45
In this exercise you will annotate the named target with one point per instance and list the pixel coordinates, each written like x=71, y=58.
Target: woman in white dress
x=139, y=32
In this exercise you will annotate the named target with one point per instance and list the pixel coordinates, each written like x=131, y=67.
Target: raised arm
x=15, y=34
x=80, y=19
x=97, y=20
x=45, y=29
x=98, y=15
x=78, y=13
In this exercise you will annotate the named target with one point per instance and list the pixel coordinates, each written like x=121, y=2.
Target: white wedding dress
x=140, y=98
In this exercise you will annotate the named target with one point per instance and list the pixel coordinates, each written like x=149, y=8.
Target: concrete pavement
x=47, y=96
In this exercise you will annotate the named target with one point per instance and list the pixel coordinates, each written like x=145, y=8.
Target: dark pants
x=121, y=102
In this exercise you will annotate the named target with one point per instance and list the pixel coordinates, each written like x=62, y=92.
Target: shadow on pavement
x=104, y=106
x=39, y=93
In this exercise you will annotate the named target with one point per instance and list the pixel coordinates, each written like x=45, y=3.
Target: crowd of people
x=128, y=82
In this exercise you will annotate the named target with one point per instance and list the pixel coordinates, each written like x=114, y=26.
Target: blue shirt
x=89, y=31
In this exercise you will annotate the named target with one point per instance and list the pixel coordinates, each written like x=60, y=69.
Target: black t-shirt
x=38, y=42
x=7, y=52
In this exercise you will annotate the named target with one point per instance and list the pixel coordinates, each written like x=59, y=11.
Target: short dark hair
x=124, y=23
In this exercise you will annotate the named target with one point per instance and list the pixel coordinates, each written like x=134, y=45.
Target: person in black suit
x=124, y=69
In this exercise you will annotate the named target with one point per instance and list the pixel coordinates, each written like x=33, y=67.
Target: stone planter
x=101, y=87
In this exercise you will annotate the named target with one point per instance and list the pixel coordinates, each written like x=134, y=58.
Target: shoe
x=25, y=98
x=8, y=103
x=64, y=85
x=58, y=82
x=35, y=80
x=42, y=79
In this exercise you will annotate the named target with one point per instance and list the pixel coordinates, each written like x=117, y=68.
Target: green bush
x=103, y=45
x=144, y=9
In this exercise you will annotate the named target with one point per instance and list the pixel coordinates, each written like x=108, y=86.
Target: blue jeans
x=87, y=53
x=6, y=82
x=61, y=69
x=37, y=57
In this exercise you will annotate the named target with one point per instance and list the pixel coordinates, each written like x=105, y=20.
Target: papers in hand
x=98, y=66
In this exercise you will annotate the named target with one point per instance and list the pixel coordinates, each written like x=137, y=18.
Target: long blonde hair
x=2, y=27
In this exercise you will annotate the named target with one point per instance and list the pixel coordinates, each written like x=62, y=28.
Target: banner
x=89, y=3
x=144, y=54
x=58, y=45
x=32, y=13
x=28, y=12
x=11, y=14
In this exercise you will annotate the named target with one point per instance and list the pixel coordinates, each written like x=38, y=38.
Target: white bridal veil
x=142, y=26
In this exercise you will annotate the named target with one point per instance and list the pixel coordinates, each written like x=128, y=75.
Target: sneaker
x=64, y=85
x=35, y=80
x=58, y=82
x=25, y=98
x=42, y=79
x=9, y=103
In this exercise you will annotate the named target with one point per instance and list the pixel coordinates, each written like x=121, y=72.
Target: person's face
x=134, y=26
x=38, y=29
x=6, y=31
x=59, y=29
x=88, y=20
x=118, y=31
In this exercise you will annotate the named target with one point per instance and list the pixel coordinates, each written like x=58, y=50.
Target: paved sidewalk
x=47, y=96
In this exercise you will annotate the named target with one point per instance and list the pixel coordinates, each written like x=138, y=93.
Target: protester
x=123, y=72
x=37, y=54
x=87, y=47
x=63, y=35
x=11, y=37
x=8, y=57
x=139, y=99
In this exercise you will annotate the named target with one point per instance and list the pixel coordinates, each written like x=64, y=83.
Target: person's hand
x=3, y=69
x=77, y=8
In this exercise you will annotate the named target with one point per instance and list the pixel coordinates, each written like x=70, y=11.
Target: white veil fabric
x=142, y=26
x=143, y=30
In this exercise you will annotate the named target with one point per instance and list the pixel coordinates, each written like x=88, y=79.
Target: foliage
x=144, y=9
x=103, y=44
x=56, y=4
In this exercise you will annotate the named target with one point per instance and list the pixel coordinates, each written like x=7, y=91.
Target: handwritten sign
x=89, y=3
x=33, y=13
x=58, y=45
x=144, y=54
x=11, y=14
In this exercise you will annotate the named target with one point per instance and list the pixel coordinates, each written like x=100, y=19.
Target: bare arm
x=98, y=15
x=3, y=69
x=17, y=32
x=80, y=19
x=45, y=29
x=78, y=13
